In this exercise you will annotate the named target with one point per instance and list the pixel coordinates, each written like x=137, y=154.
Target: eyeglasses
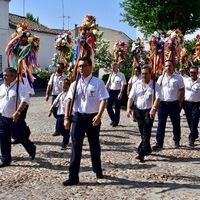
x=193, y=72
x=83, y=66
x=168, y=65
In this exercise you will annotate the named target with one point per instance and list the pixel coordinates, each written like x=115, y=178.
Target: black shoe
x=176, y=145
x=4, y=164
x=32, y=156
x=99, y=175
x=63, y=147
x=71, y=182
x=114, y=125
x=140, y=158
x=191, y=144
x=55, y=133
x=15, y=141
x=157, y=147
x=111, y=123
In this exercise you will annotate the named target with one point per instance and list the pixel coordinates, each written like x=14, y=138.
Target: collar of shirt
x=11, y=84
x=86, y=80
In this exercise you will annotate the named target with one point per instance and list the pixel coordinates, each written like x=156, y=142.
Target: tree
x=161, y=16
x=102, y=55
x=31, y=18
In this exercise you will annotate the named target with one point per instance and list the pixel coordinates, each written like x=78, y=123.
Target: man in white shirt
x=116, y=84
x=144, y=110
x=88, y=107
x=172, y=89
x=191, y=104
x=55, y=87
x=13, y=100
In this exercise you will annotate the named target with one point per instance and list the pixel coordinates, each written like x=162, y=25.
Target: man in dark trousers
x=13, y=100
x=88, y=107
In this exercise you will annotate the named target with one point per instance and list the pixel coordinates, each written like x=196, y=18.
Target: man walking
x=172, y=89
x=116, y=84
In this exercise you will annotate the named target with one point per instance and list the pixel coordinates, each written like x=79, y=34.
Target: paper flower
x=197, y=49
x=88, y=31
x=119, y=50
x=173, y=44
x=22, y=51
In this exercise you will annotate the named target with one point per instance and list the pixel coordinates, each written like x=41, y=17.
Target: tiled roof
x=16, y=19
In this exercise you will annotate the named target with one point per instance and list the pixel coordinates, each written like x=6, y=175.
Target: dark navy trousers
x=81, y=124
x=6, y=127
x=114, y=116
x=171, y=109
x=192, y=113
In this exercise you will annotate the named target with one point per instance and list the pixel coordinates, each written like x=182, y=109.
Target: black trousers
x=192, y=113
x=6, y=127
x=145, y=124
x=82, y=123
x=24, y=124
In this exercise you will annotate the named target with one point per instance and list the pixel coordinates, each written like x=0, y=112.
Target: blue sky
x=50, y=13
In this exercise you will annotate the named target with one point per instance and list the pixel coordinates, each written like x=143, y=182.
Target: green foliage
x=189, y=45
x=31, y=18
x=44, y=74
x=162, y=16
x=102, y=55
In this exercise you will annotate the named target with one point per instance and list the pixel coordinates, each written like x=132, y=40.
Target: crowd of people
x=78, y=109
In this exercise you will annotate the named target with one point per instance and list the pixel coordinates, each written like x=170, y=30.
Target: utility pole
x=63, y=15
x=24, y=8
x=68, y=18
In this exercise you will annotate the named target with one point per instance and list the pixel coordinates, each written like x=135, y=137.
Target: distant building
x=47, y=35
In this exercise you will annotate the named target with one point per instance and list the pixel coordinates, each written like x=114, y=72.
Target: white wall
x=4, y=29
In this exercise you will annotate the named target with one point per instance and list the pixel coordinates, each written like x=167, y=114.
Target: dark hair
x=60, y=64
x=138, y=68
x=169, y=61
x=10, y=70
x=147, y=67
x=195, y=67
x=86, y=59
x=66, y=81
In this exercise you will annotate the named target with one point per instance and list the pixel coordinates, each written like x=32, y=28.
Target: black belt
x=86, y=114
x=170, y=102
x=192, y=102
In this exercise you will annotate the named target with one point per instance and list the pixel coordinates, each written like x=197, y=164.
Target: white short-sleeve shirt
x=133, y=79
x=170, y=87
x=60, y=103
x=89, y=93
x=116, y=81
x=192, y=90
x=57, y=83
x=142, y=95
x=8, y=96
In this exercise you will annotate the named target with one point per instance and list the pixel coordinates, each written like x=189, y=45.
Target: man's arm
x=97, y=119
x=48, y=90
x=182, y=95
x=17, y=113
x=129, y=105
x=67, y=117
x=152, y=112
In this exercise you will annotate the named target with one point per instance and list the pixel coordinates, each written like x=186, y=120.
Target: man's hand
x=129, y=112
x=46, y=97
x=15, y=116
x=67, y=123
x=96, y=121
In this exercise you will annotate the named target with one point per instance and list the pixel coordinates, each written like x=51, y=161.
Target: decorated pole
x=22, y=52
x=156, y=58
x=84, y=48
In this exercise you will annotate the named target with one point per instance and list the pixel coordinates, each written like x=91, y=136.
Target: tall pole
x=24, y=8
x=63, y=16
